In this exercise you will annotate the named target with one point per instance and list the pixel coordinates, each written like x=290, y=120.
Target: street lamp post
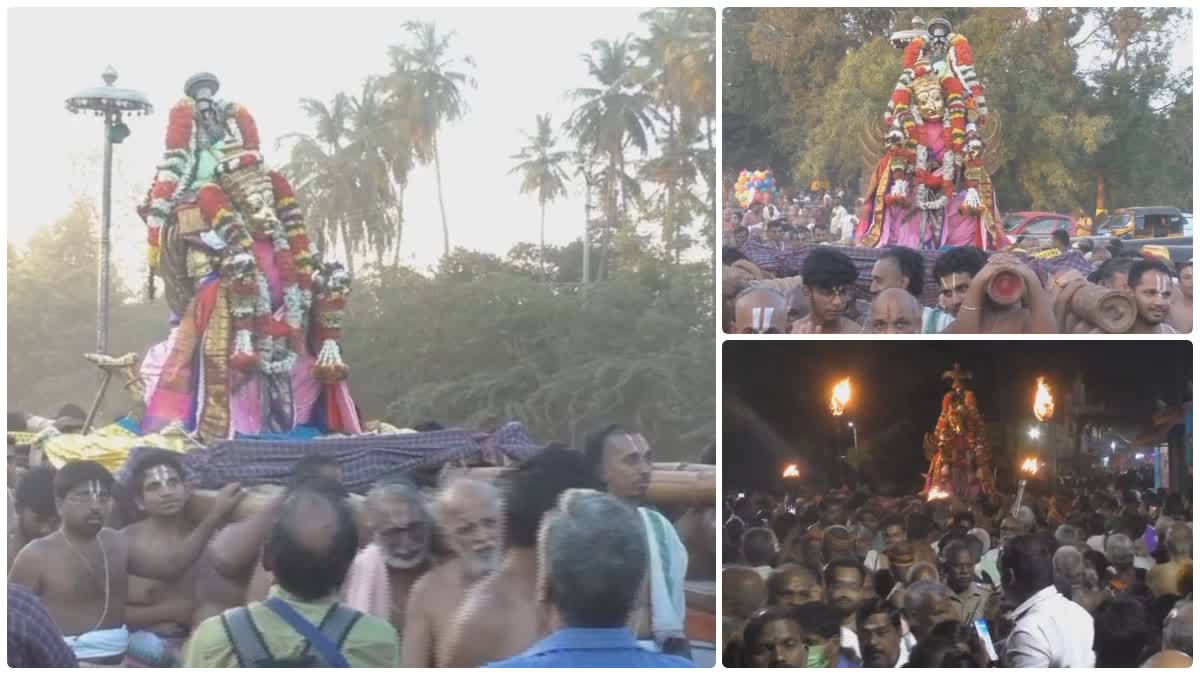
x=111, y=103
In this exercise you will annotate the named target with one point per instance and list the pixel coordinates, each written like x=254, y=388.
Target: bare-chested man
x=501, y=617
x=623, y=462
x=36, y=513
x=979, y=314
x=81, y=572
x=163, y=611
x=382, y=577
x=829, y=277
x=1150, y=281
x=1180, y=316
x=894, y=311
x=467, y=513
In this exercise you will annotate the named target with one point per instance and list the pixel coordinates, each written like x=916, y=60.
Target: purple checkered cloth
x=34, y=640
x=365, y=460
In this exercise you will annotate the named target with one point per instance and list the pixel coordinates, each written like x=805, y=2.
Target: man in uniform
x=972, y=597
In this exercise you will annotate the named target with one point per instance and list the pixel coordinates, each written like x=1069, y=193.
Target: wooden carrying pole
x=696, y=486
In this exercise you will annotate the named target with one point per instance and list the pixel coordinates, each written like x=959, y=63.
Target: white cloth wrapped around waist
x=99, y=644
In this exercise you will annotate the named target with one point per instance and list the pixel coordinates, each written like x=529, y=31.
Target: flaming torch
x=1028, y=468
x=1043, y=402
x=841, y=396
x=792, y=471
x=937, y=493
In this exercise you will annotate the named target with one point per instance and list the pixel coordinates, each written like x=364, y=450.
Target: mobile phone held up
x=982, y=629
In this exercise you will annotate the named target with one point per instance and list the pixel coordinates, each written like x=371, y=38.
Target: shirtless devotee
x=36, y=513
x=1152, y=288
x=623, y=461
x=829, y=277
x=501, y=617
x=162, y=612
x=468, y=514
x=760, y=310
x=382, y=577
x=895, y=311
x=1180, y=316
x=236, y=575
x=898, y=267
x=81, y=571
x=979, y=314
x=953, y=270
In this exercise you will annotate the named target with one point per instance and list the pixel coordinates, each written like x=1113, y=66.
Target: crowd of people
x=764, y=293
x=559, y=562
x=1095, y=575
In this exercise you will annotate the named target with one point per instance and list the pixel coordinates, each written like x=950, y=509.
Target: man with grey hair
x=1119, y=550
x=928, y=603
x=593, y=557
x=1069, y=535
x=467, y=513
x=382, y=576
x=1068, y=571
x=1177, y=630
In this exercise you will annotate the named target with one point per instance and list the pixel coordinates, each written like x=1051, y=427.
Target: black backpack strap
x=243, y=635
x=339, y=622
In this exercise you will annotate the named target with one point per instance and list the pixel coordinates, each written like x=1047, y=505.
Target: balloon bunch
x=755, y=186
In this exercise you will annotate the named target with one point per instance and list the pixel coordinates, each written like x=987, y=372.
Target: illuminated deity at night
x=960, y=462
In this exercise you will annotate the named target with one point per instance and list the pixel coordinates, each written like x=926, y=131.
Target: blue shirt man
x=591, y=648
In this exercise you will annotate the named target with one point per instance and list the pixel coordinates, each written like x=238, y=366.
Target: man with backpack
x=301, y=624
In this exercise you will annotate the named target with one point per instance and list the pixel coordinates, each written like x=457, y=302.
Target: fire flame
x=937, y=493
x=792, y=471
x=1043, y=402
x=841, y=396
x=1030, y=466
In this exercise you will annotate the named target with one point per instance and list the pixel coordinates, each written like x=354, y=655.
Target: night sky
x=898, y=389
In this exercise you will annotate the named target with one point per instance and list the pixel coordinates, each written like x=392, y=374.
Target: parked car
x=1036, y=224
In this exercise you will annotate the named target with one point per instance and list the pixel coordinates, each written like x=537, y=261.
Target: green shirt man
x=371, y=643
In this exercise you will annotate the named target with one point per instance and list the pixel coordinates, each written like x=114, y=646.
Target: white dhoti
x=99, y=644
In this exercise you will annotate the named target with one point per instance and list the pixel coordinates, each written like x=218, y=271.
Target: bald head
x=760, y=310
x=743, y=592
x=895, y=311
x=312, y=545
x=1169, y=659
x=468, y=514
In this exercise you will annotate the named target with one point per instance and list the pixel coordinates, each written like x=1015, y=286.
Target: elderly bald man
x=895, y=312
x=760, y=310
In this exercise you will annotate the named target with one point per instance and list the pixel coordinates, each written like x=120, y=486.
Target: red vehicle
x=1037, y=224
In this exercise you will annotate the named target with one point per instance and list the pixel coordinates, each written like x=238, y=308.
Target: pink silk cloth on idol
x=245, y=400
x=902, y=225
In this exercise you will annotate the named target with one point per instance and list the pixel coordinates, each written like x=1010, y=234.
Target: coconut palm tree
x=541, y=168
x=680, y=56
x=429, y=84
x=323, y=174
x=610, y=118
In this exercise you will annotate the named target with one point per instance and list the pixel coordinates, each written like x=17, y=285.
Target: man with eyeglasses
x=81, y=572
x=829, y=277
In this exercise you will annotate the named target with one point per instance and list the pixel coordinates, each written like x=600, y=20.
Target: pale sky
x=267, y=59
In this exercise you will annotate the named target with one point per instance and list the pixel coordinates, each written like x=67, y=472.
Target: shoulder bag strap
x=329, y=652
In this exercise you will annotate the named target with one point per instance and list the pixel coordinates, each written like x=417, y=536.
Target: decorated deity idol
x=932, y=187
x=960, y=461
x=250, y=300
